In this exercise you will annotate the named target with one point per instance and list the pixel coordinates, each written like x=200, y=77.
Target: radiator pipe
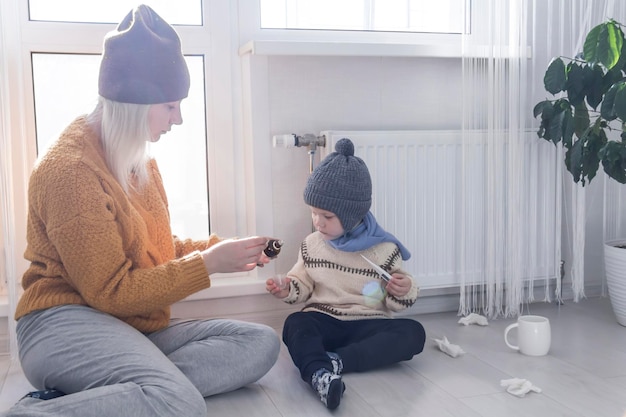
x=292, y=140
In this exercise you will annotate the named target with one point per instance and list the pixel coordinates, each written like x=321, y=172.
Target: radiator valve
x=291, y=140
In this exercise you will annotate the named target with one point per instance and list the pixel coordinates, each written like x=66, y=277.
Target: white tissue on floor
x=446, y=347
x=474, y=318
x=518, y=386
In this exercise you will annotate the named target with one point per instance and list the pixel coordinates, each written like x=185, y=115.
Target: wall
x=307, y=94
x=311, y=94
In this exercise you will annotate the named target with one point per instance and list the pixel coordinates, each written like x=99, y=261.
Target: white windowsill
x=224, y=287
x=346, y=49
x=310, y=48
x=221, y=287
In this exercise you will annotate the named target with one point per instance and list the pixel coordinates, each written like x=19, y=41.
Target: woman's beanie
x=341, y=184
x=142, y=62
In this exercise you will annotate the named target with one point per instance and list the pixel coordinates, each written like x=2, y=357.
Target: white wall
x=308, y=94
x=311, y=94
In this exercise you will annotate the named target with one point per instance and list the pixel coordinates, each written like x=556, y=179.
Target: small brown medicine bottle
x=273, y=248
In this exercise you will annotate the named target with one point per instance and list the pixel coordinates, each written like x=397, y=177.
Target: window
x=426, y=16
x=181, y=154
x=180, y=12
x=49, y=57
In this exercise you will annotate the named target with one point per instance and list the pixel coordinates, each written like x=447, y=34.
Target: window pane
x=440, y=16
x=179, y=12
x=66, y=86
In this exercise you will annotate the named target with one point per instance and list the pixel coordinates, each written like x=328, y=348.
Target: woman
x=94, y=329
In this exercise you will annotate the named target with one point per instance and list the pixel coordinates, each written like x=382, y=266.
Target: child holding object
x=346, y=324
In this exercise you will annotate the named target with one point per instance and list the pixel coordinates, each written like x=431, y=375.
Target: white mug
x=533, y=335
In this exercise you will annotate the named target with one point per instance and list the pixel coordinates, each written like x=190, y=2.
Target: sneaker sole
x=335, y=392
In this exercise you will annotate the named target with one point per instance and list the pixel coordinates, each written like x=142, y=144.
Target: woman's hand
x=399, y=285
x=235, y=255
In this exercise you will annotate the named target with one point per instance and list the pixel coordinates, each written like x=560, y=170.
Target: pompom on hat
x=341, y=184
x=142, y=61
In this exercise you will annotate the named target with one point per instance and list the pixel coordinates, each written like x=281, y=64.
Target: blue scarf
x=365, y=235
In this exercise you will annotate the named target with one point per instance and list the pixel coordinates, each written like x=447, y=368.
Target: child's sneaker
x=329, y=387
x=337, y=363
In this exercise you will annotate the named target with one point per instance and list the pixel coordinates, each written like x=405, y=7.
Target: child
x=346, y=325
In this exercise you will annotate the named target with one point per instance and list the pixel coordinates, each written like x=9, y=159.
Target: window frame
x=250, y=30
x=366, y=18
x=229, y=206
x=86, y=38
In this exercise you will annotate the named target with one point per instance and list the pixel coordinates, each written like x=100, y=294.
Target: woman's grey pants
x=108, y=368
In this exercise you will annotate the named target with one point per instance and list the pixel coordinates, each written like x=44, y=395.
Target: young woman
x=93, y=324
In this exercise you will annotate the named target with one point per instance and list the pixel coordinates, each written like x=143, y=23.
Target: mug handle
x=506, y=333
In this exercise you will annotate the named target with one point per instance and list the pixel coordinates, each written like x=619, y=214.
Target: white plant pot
x=615, y=267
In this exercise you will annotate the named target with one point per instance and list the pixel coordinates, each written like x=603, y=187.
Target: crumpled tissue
x=446, y=347
x=474, y=318
x=519, y=387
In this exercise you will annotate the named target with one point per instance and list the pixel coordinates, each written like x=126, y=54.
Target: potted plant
x=589, y=120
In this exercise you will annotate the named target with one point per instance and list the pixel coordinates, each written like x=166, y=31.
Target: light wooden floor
x=584, y=375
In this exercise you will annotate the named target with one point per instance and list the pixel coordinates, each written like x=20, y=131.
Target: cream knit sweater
x=344, y=285
x=89, y=243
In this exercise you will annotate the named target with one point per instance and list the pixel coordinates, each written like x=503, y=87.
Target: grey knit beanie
x=341, y=184
x=142, y=61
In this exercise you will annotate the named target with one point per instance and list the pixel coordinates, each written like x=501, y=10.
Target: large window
x=426, y=16
x=179, y=12
x=65, y=86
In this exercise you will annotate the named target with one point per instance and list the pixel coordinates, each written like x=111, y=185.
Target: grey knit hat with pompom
x=341, y=184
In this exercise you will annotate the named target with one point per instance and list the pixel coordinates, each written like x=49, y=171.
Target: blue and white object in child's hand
x=374, y=293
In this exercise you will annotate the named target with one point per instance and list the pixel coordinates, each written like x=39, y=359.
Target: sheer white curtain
x=8, y=165
x=505, y=56
x=496, y=72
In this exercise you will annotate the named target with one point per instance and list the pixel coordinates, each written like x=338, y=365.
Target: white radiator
x=433, y=199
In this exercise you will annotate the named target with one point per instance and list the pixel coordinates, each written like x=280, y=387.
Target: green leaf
x=593, y=79
x=617, y=69
x=582, y=159
x=555, y=76
x=619, y=104
x=590, y=47
x=573, y=160
x=568, y=125
x=610, y=78
x=546, y=110
x=558, y=122
x=613, y=156
x=542, y=107
x=574, y=84
x=593, y=145
x=603, y=44
x=581, y=119
x=606, y=109
x=555, y=127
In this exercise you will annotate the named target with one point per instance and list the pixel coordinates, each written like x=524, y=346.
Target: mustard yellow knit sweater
x=89, y=243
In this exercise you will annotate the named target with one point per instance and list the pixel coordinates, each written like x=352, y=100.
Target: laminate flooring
x=584, y=374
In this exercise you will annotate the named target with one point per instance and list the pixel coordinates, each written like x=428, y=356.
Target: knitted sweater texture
x=90, y=243
x=344, y=285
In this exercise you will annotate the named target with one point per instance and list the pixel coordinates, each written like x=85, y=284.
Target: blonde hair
x=125, y=134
